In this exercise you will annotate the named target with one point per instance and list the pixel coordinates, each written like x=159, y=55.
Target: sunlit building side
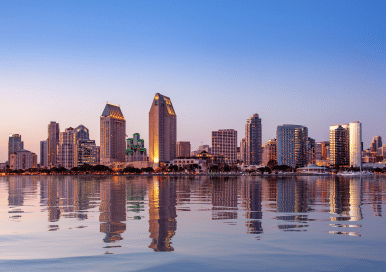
x=355, y=144
x=183, y=149
x=224, y=145
x=270, y=151
x=339, y=145
x=162, y=130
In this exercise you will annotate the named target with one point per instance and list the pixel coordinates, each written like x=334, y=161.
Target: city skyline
x=312, y=64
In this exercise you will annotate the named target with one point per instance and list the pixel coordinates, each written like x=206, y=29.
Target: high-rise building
x=339, y=144
x=311, y=151
x=22, y=160
x=224, y=145
x=162, y=130
x=253, y=142
x=322, y=151
x=242, y=150
x=14, y=144
x=43, y=153
x=376, y=143
x=183, y=149
x=355, y=144
x=292, y=145
x=113, y=134
x=81, y=132
x=86, y=152
x=270, y=151
x=66, y=148
x=136, y=150
x=53, y=141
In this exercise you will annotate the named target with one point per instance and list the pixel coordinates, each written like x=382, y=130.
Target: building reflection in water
x=112, y=209
x=355, y=199
x=252, y=197
x=224, y=199
x=53, y=200
x=15, y=191
x=162, y=213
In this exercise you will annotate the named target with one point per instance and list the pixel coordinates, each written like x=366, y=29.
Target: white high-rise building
x=355, y=144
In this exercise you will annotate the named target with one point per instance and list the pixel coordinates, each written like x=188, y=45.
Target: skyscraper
x=14, y=144
x=81, y=132
x=53, y=141
x=66, y=148
x=311, y=151
x=112, y=133
x=224, y=145
x=339, y=144
x=270, y=151
x=43, y=153
x=376, y=143
x=355, y=144
x=322, y=150
x=292, y=145
x=183, y=149
x=162, y=130
x=253, y=152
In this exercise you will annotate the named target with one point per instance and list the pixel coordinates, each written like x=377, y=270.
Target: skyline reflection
x=253, y=203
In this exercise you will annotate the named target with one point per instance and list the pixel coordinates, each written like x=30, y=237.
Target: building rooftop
x=113, y=111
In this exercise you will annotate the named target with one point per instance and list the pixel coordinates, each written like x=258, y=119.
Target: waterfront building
x=242, y=151
x=53, y=142
x=201, y=148
x=339, y=145
x=43, y=153
x=183, y=149
x=376, y=143
x=270, y=151
x=136, y=150
x=322, y=150
x=14, y=144
x=355, y=144
x=311, y=151
x=162, y=130
x=86, y=152
x=22, y=160
x=224, y=145
x=253, y=142
x=112, y=135
x=292, y=145
x=66, y=148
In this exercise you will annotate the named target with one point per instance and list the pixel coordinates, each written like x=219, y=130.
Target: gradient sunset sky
x=311, y=63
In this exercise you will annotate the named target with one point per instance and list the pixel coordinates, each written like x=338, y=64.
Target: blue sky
x=312, y=63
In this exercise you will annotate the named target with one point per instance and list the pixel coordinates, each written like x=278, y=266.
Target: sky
x=310, y=63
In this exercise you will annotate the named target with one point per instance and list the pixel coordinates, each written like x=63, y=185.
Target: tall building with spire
x=162, y=130
x=53, y=142
x=253, y=152
x=112, y=135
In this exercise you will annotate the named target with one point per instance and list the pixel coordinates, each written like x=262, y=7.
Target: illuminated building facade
x=322, y=151
x=339, y=145
x=292, y=145
x=136, y=150
x=224, y=145
x=81, y=132
x=162, y=130
x=22, y=160
x=112, y=135
x=66, y=148
x=14, y=144
x=183, y=149
x=311, y=151
x=270, y=151
x=43, y=153
x=53, y=141
x=86, y=152
x=253, y=142
x=355, y=144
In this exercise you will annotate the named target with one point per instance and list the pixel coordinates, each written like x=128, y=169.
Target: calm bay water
x=157, y=223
